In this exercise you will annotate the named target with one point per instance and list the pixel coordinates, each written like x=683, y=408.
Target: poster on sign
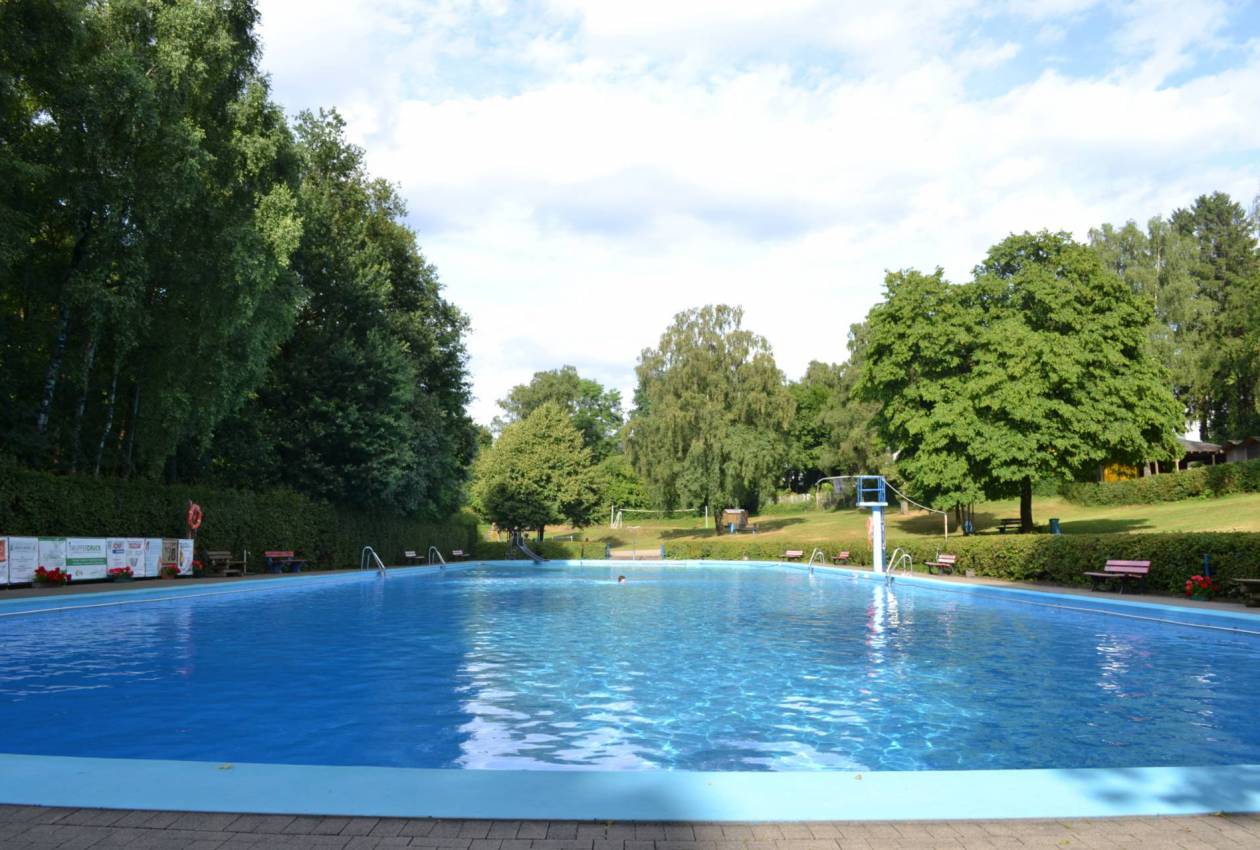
x=152, y=556
x=4, y=560
x=170, y=552
x=116, y=555
x=86, y=557
x=185, y=557
x=52, y=553
x=23, y=559
x=135, y=556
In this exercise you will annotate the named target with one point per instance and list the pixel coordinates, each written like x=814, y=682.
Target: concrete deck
x=36, y=828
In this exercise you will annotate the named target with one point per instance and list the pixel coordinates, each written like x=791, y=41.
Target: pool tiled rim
x=628, y=796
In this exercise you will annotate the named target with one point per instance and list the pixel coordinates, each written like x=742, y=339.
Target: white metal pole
x=877, y=537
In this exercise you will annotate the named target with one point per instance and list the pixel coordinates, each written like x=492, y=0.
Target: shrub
x=39, y=503
x=1220, y=480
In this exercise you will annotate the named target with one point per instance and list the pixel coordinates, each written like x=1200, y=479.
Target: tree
x=365, y=402
x=1228, y=275
x=538, y=473
x=1039, y=368
x=711, y=413
x=595, y=411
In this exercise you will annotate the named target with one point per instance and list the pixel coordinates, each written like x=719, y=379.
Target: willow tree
x=711, y=415
x=1039, y=368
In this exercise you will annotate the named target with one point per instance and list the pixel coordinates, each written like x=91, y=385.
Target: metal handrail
x=821, y=555
x=900, y=558
x=433, y=550
x=367, y=556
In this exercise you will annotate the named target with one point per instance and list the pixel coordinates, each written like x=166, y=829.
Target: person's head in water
x=621, y=579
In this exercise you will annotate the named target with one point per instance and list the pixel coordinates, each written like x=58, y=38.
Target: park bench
x=943, y=564
x=1250, y=587
x=410, y=556
x=840, y=558
x=223, y=563
x=1010, y=524
x=458, y=554
x=1120, y=572
x=279, y=561
x=794, y=554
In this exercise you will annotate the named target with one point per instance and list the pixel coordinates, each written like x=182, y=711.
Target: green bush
x=1204, y=481
x=38, y=503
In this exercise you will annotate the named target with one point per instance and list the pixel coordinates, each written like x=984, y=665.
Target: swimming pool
x=705, y=669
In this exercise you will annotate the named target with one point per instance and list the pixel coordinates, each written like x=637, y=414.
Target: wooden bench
x=943, y=564
x=280, y=561
x=1005, y=525
x=1120, y=572
x=794, y=554
x=1250, y=587
x=840, y=557
x=224, y=564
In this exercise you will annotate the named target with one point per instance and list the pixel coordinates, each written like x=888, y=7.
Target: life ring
x=194, y=516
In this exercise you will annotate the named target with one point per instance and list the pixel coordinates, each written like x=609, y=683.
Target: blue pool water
x=747, y=668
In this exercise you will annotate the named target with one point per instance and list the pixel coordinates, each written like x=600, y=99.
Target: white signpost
x=23, y=559
x=4, y=560
x=86, y=557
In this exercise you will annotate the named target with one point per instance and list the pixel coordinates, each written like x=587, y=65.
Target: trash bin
x=1054, y=526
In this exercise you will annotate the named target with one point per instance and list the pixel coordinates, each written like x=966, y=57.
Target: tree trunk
x=1025, y=505
x=131, y=429
x=54, y=370
x=89, y=357
x=540, y=533
x=109, y=420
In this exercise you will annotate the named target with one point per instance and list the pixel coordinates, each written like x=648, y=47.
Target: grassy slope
x=1229, y=513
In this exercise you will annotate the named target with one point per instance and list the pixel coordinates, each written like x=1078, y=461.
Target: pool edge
x=628, y=796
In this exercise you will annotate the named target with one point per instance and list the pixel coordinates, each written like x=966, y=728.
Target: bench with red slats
x=1122, y=573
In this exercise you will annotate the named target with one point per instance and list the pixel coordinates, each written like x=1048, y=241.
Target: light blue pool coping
x=631, y=795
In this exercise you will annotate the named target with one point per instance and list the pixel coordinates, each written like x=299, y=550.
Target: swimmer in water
x=621, y=579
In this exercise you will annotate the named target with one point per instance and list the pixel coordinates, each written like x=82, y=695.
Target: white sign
x=86, y=557
x=23, y=558
x=4, y=560
x=185, y=557
x=126, y=553
x=152, y=556
x=52, y=553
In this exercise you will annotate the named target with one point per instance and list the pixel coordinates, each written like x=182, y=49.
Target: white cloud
x=581, y=174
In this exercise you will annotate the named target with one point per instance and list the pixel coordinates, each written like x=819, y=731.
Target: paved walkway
x=32, y=828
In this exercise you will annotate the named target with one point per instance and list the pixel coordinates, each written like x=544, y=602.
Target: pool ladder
x=820, y=555
x=434, y=553
x=900, y=560
x=367, y=557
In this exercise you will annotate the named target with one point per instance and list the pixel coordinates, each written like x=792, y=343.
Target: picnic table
x=1011, y=523
x=222, y=562
x=283, y=561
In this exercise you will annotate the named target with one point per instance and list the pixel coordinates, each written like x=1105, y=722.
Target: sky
x=580, y=172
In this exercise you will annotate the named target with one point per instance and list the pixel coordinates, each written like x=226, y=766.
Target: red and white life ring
x=194, y=516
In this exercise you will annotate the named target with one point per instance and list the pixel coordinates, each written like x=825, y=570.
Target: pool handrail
x=820, y=554
x=900, y=558
x=367, y=556
x=433, y=550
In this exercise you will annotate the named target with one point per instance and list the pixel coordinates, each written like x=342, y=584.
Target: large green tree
x=594, y=410
x=538, y=473
x=364, y=404
x=147, y=218
x=711, y=414
x=1228, y=275
x=1038, y=368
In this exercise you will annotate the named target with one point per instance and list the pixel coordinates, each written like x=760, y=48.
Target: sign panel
x=170, y=552
x=185, y=557
x=52, y=553
x=126, y=552
x=152, y=556
x=4, y=560
x=23, y=559
x=86, y=557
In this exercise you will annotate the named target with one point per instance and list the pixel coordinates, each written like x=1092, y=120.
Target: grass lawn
x=1228, y=513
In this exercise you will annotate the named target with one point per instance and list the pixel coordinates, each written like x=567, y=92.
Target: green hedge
x=37, y=503
x=1204, y=481
x=1059, y=559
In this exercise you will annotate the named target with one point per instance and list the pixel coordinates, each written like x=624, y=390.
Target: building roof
x=1198, y=445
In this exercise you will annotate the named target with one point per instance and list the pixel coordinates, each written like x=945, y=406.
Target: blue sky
x=581, y=171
